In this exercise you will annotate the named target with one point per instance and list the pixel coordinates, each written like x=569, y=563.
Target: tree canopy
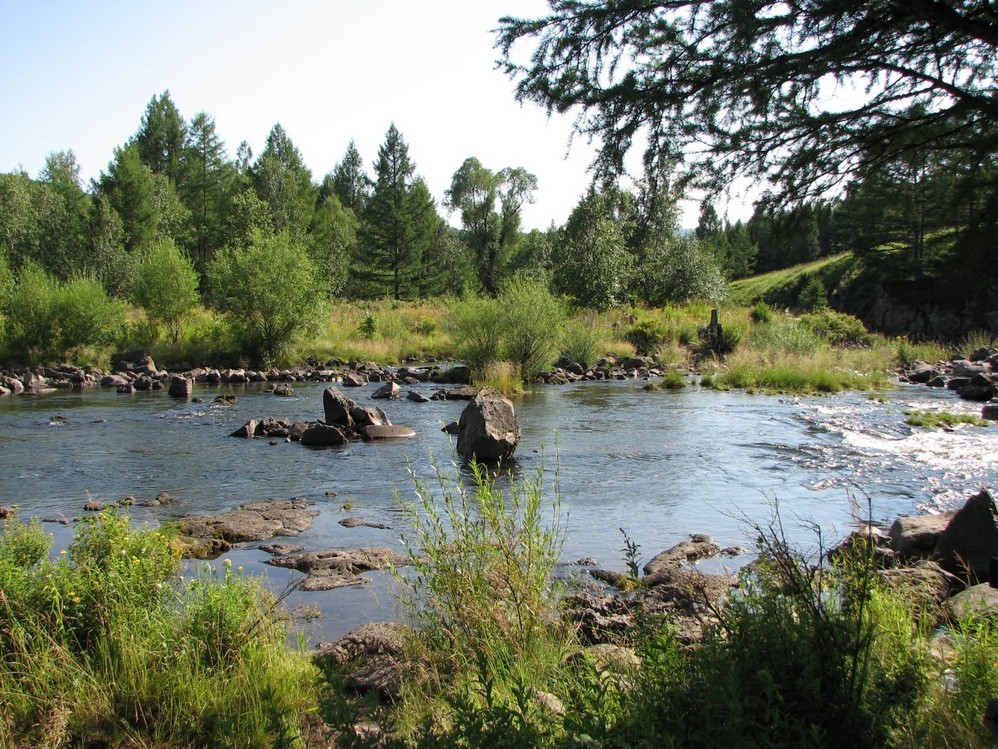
x=805, y=94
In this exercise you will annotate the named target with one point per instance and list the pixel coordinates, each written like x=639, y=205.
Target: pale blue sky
x=78, y=75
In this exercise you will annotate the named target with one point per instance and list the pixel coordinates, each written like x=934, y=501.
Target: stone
x=924, y=586
x=336, y=568
x=921, y=372
x=180, y=387
x=281, y=549
x=417, y=397
x=980, y=388
x=388, y=391
x=488, y=430
x=968, y=542
x=354, y=379
x=463, y=393
x=256, y=521
x=163, y=499
x=459, y=374
x=6, y=513
x=323, y=435
x=450, y=428
x=980, y=600
x=113, y=381
x=698, y=547
x=385, y=432
x=246, y=430
x=368, y=416
x=990, y=411
x=284, y=390
x=94, y=505
x=336, y=408
x=915, y=536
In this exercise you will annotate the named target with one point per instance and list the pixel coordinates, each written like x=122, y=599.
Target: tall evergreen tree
x=208, y=179
x=399, y=223
x=284, y=183
x=161, y=137
x=64, y=217
x=349, y=180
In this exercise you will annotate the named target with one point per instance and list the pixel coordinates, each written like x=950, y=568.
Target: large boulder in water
x=336, y=407
x=180, y=387
x=488, y=430
x=971, y=539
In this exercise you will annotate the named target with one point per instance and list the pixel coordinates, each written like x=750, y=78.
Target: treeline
x=175, y=222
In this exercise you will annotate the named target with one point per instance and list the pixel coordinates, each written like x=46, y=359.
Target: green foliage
x=45, y=318
x=813, y=296
x=941, y=419
x=369, y=326
x=591, y=263
x=646, y=335
x=271, y=293
x=503, y=376
x=483, y=596
x=532, y=323
x=761, y=313
x=838, y=328
x=684, y=271
x=580, y=343
x=522, y=325
x=106, y=646
x=166, y=286
x=787, y=335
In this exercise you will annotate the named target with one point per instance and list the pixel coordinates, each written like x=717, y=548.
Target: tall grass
x=482, y=594
x=106, y=646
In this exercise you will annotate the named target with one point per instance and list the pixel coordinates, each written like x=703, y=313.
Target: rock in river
x=488, y=430
x=256, y=521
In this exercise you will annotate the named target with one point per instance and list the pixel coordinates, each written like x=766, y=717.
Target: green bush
x=580, y=343
x=837, y=328
x=476, y=325
x=165, y=285
x=271, y=293
x=646, y=335
x=761, y=313
x=106, y=646
x=813, y=296
x=86, y=316
x=29, y=313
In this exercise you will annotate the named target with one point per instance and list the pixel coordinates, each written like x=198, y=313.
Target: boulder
x=354, y=379
x=459, y=374
x=385, y=432
x=970, y=539
x=979, y=600
x=488, y=430
x=323, y=435
x=915, y=536
x=336, y=407
x=417, y=397
x=336, y=568
x=369, y=417
x=246, y=430
x=113, y=381
x=377, y=652
x=13, y=384
x=256, y=521
x=921, y=372
x=180, y=387
x=284, y=390
x=924, y=586
x=698, y=547
x=990, y=411
x=388, y=391
x=980, y=388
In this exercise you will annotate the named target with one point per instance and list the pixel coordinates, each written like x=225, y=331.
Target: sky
x=79, y=75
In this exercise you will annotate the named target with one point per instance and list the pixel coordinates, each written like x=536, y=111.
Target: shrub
x=166, y=285
x=761, y=313
x=30, y=313
x=86, y=315
x=580, y=343
x=813, y=296
x=271, y=293
x=532, y=320
x=646, y=335
x=837, y=328
x=475, y=323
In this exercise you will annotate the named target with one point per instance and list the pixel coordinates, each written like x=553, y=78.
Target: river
x=660, y=465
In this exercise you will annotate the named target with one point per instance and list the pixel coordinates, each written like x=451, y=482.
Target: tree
x=349, y=180
x=592, y=263
x=284, y=183
x=161, y=137
x=399, y=223
x=684, y=270
x=332, y=241
x=490, y=204
x=802, y=94
x=65, y=218
x=166, y=285
x=206, y=185
x=270, y=291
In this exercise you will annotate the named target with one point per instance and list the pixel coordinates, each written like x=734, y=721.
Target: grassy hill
x=780, y=288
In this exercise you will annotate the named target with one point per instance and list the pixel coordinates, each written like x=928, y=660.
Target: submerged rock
x=256, y=521
x=336, y=568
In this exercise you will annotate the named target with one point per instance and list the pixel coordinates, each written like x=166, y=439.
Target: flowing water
x=659, y=465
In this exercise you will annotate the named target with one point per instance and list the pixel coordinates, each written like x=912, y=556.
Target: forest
x=176, y=223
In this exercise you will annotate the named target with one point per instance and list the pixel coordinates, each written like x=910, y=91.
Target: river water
x=660, y=465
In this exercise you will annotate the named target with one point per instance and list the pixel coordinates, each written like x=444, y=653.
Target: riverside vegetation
x=107, y=645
